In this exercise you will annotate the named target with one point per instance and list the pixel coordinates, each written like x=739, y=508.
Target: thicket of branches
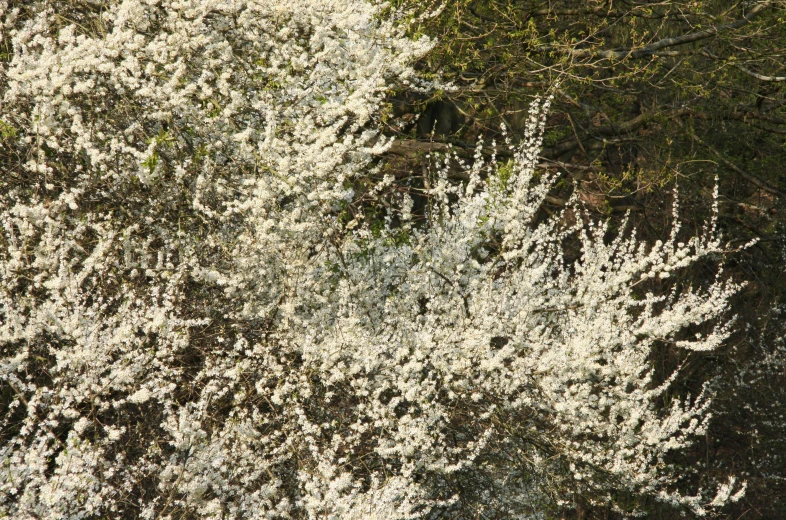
x=226, y=293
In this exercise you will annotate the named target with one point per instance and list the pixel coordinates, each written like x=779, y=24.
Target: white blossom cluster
x=189, y=328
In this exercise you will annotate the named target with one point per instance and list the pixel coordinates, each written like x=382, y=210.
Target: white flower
x=140, y=396
x=256, y=357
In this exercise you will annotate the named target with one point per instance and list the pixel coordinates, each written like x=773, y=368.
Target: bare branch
x=759, y=183
x=761, y=77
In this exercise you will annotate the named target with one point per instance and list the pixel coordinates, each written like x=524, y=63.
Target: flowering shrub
x=189, y=326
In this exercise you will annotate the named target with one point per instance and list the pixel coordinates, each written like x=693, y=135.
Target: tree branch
x=650, y=49
x=614, y=130
x=759, y=183
x=761, y=77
